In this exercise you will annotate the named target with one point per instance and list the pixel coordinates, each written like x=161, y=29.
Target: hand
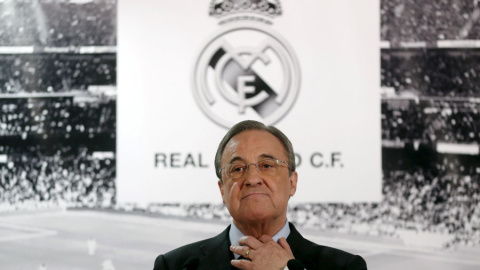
x=264, y=253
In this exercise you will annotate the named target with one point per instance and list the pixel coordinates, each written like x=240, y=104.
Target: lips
x=253, y=194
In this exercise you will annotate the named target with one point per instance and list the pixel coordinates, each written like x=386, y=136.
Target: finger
x=241, y=264
x=284, y=244
x=265, y=239
x=250, y=241
x=241, y=250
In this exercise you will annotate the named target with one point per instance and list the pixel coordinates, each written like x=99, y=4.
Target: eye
x=237, y=168
x=267, y=165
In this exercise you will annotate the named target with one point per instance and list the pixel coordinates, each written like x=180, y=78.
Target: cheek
x=232, y=191
x=282, y=187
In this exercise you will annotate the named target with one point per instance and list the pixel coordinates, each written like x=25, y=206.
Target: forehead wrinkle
x=230, y=148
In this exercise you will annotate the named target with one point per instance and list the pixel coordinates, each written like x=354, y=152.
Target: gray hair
x=254, y=125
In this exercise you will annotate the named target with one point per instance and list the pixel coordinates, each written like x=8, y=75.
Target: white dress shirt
x=235, y=234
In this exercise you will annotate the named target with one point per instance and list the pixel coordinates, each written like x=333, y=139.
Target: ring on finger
x=247, y=252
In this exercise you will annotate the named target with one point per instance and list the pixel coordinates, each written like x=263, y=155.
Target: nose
x=253, y=176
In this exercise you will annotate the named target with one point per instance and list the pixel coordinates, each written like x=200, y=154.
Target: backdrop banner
x=189, y=70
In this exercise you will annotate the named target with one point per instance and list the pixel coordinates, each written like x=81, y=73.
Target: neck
x=259, y=228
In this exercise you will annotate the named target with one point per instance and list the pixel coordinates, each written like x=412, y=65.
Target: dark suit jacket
x=214, y=253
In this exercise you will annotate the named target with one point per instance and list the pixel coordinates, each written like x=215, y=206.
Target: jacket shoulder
x=332, y=258
x=316, y=256
x=176, y=259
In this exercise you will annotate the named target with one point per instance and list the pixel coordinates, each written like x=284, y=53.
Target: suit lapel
x=216, y=253
x=301, y=248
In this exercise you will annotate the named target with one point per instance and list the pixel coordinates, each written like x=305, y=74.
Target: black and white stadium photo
x=281, y=134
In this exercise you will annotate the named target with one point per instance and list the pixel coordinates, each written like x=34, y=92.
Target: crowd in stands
x=60, y=117
x=47, y=151
x=58, y=174
x=46, y=73
x=424, y=201
x=446, y=73
x=436, y=100
x=48, y=143
x=428, y=20
x=61, y=23
x=428, y=120
x=423, y=190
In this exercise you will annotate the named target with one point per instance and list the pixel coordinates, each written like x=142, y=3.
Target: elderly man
x=255, y=165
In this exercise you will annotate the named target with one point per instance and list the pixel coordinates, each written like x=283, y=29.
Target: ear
x=220, y=186
x=293, y=183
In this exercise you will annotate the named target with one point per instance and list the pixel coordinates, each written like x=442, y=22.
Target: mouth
x=254, y=194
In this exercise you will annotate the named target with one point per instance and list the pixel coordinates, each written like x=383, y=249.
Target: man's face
x=256, y=197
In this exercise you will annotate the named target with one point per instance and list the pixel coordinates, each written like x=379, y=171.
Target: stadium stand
x=428, y=21
x=50, y=152
x=37, y=73
x=57, y=104
x=37, y=174
x=60, y=23
x=431, y=120
x=60, y=117
x=447, y=73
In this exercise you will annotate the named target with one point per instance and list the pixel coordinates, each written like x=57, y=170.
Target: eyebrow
x=267, y=156
x=235, y=159
x=262, y=156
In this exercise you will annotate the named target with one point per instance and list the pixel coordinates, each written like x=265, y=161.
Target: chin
x=258, y=214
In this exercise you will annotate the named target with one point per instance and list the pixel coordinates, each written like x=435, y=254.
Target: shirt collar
x=235, y=234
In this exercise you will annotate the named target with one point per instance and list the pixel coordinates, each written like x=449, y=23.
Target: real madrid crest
x=246, y=70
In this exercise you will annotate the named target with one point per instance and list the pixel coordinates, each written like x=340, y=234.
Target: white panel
x=334, y=113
